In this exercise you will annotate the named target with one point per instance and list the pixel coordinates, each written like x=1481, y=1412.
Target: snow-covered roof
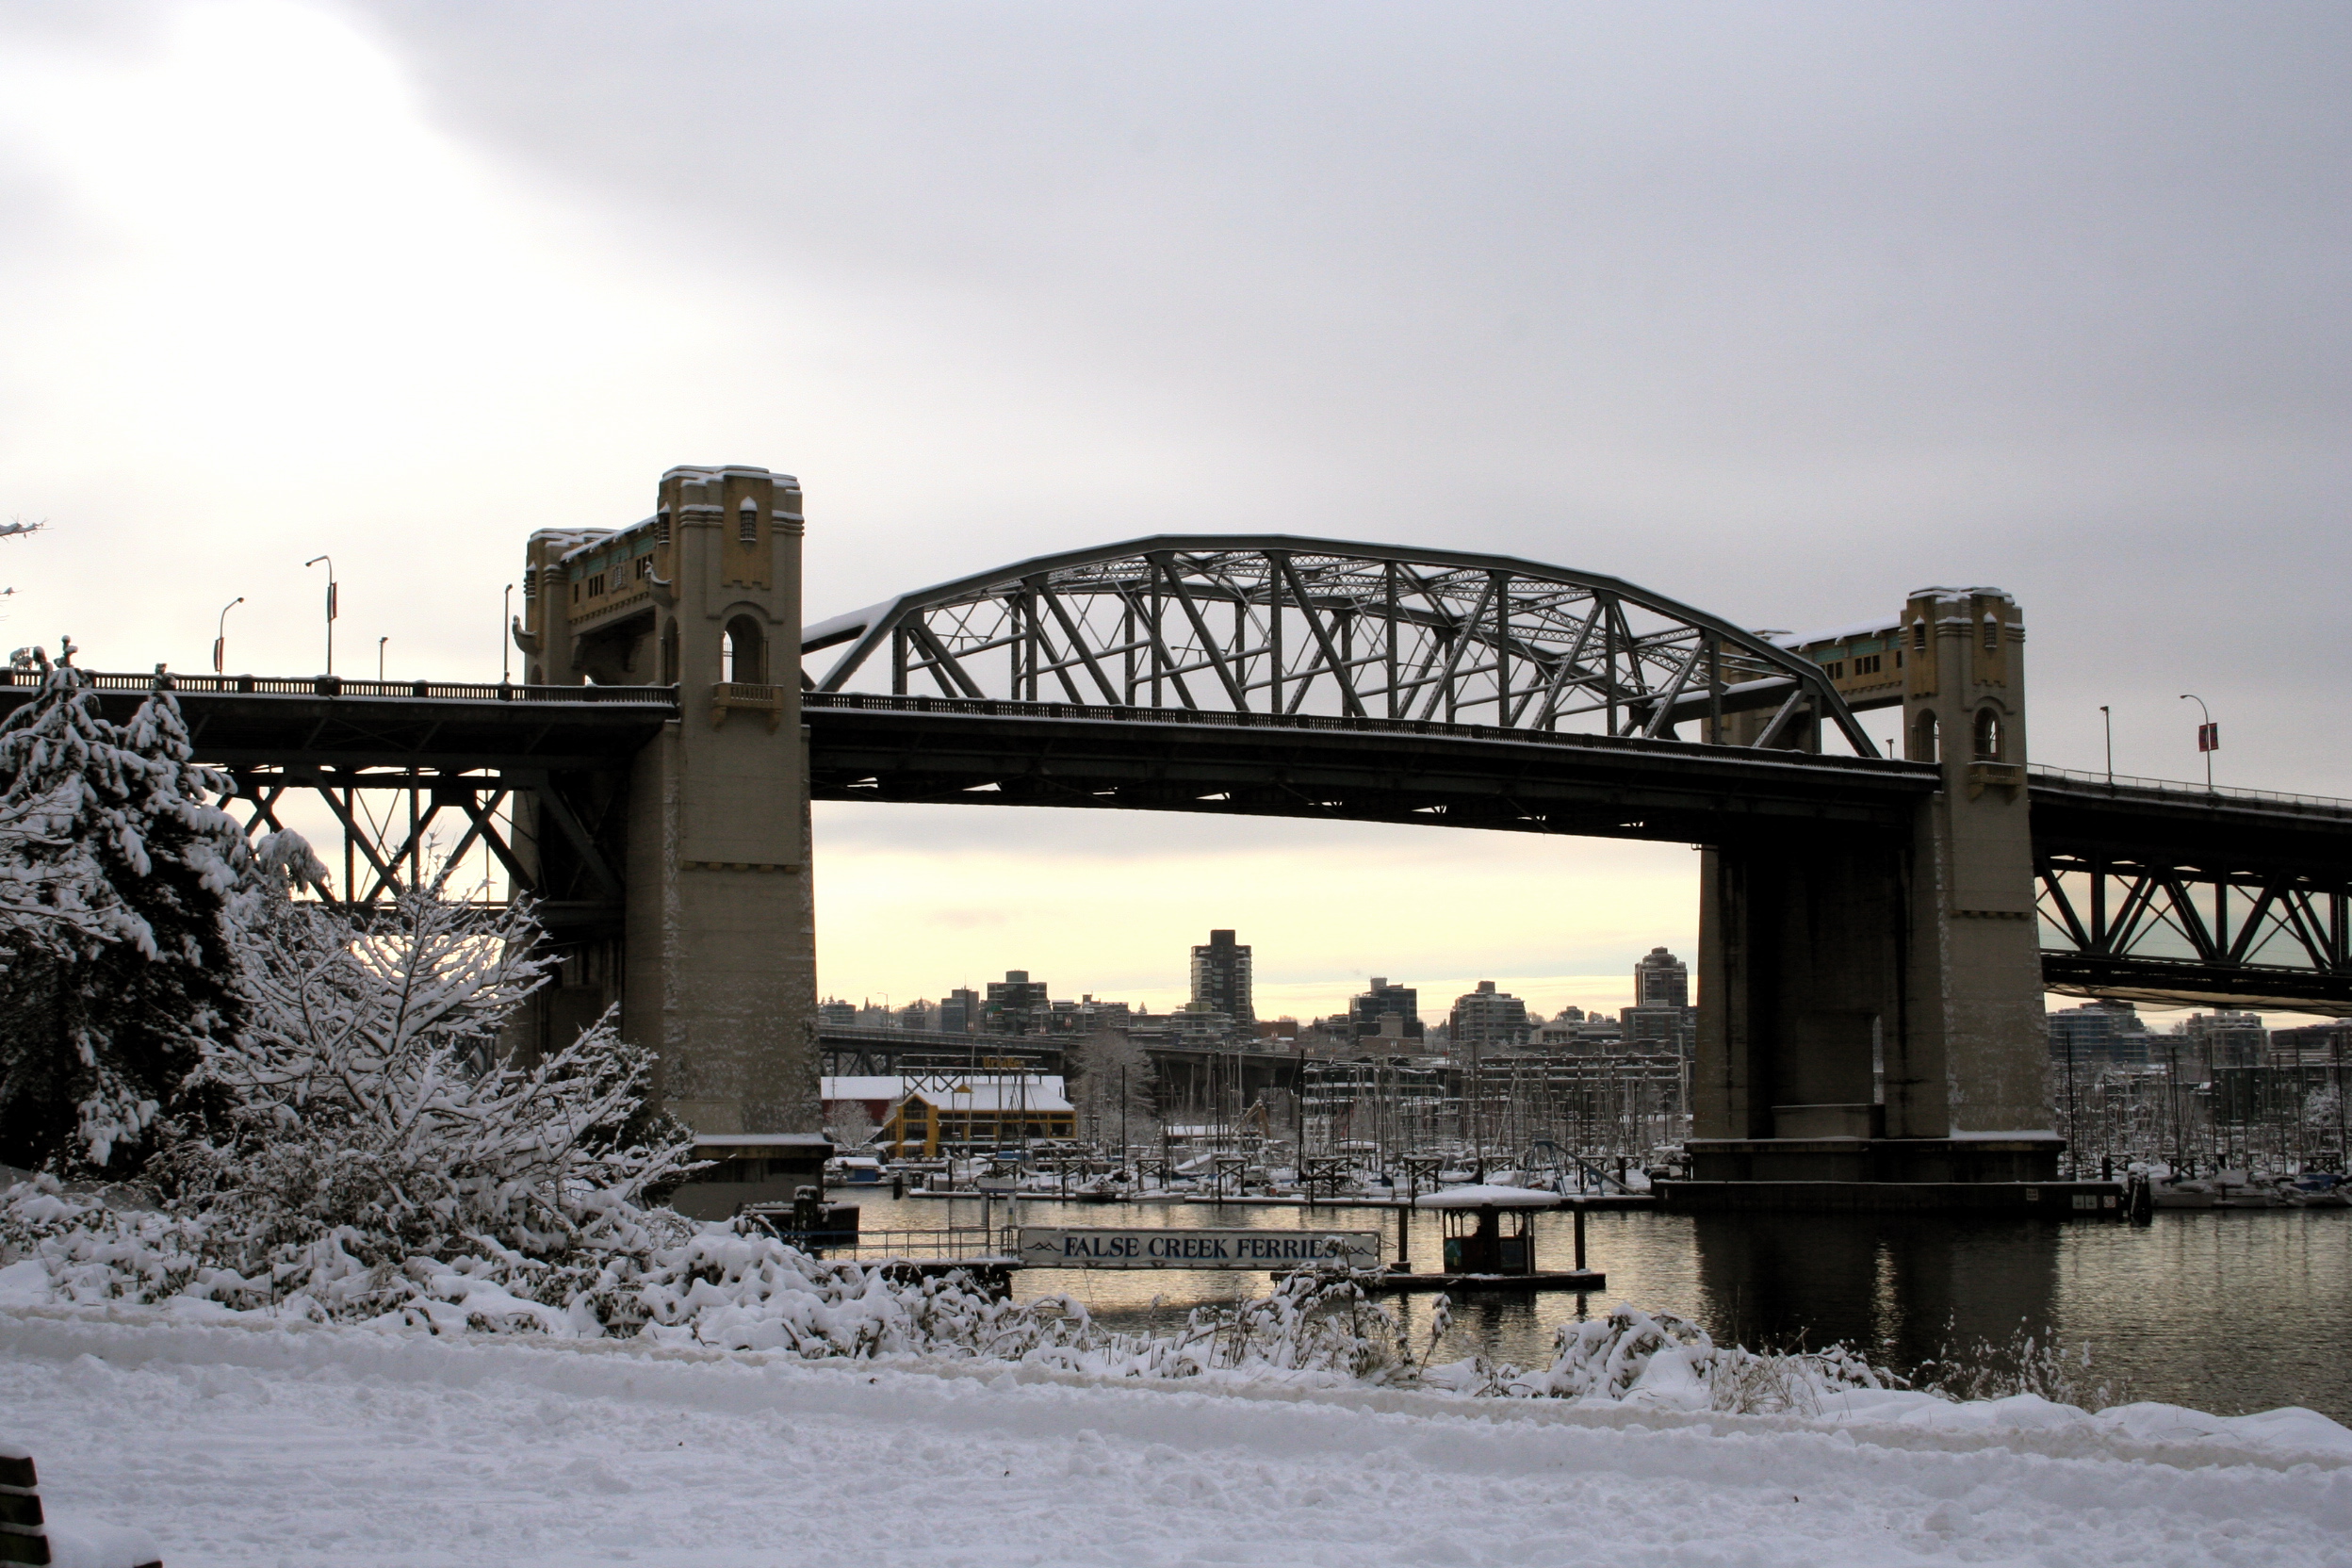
x=762, y=1140
x=867, y=1088
x=1488, y=1197
x=1879, y=627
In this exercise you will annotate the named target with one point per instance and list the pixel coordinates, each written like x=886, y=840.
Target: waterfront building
x=2103, y=1034
x=1487, y=1020
x=926, y=1114
x=1659, y=1026
x=1221, y=978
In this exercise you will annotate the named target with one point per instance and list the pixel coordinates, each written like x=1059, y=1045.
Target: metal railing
x=340, y=686
x=1213, y=719
x=2174, y=789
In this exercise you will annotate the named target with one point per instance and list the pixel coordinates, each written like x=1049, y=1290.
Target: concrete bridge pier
x=712, y=957
x=1871, y=1002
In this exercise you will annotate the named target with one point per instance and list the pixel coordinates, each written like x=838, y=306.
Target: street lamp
x=506, y=640
x=331, y=609
x=2109, y=719
x=379, y=642
x=2207, y=735
x=220, y=634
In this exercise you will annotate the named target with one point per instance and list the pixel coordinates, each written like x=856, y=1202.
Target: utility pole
x=379, y=642
x=506, y=639
x=331, y=611
x=2109, y=719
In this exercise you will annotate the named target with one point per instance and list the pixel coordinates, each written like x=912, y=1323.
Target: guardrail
x=2174, y=789
x=338, y=686
x=1220, y=719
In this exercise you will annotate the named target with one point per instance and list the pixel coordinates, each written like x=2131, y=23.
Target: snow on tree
x=116, y=863
x=366, y=1096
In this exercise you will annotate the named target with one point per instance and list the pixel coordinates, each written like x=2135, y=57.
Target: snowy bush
x=116, y=863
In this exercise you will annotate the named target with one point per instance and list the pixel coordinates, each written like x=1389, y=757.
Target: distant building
x=1659, y=1026
x=960, y=1012
x=1016, y=1005
x=833, y=1012
x=1221, y=978
x=2217, y=1041
x=1488, y=1020
x=1384, y=1001
x=1660, y=980
x=2104, y=1034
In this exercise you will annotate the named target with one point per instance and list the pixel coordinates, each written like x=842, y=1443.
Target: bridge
x=1876, y=932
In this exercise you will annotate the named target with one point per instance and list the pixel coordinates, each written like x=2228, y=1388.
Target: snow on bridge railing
x=339, y=686
x=2175, y=787
x=1215, y=719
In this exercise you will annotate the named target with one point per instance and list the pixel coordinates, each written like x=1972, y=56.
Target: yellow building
x=928, y=1114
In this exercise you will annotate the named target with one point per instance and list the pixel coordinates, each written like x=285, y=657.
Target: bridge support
x=1871, y=1004
x=715, y=961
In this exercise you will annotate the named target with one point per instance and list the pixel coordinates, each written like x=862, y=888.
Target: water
x=2226, y=1311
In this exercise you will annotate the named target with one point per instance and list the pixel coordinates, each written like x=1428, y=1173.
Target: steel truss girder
x=384, y=851
x=2145, y=925
x=1279, y=625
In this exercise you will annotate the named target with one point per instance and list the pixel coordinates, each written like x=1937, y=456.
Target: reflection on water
x=2226, y=1311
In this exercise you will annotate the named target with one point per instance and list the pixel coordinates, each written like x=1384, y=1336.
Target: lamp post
x=331, y=609
x=2108, y=719
x=220, y=635
x=506, y=640
x=379, y=642
x=2208, y=734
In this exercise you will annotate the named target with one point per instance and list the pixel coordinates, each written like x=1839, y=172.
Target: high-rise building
x=2099, y=1034
x=1220, y=978
x=1660, y=980
x=1487, y=1020
x=959, y=1011
x=1383, y=999
x=1017, y=1004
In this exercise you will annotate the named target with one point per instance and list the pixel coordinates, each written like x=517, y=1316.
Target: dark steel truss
x=1275, y=624
x=2161, y=928
x=408, y=827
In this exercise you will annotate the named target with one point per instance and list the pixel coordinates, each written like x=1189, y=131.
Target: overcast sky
x=1781, y=310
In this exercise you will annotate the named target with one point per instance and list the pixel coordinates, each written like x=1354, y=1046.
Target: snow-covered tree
x=366, y=1094
x=116, y=863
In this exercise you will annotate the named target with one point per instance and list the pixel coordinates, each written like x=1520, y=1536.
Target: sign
x=2209, y=737
x=1062, y=1247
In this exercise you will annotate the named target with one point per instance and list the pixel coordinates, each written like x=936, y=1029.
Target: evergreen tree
x=116, y=863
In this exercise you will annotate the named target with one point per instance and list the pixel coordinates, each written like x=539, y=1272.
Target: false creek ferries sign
x=1060, y=1246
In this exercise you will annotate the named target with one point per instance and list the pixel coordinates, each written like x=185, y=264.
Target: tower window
x=661, y=526
x=742, y=654
x=1919, y=636
x=748, y=522
x=1987, y=735
x=1992, y=635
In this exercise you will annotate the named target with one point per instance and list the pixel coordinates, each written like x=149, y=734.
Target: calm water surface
x=2226, y=1311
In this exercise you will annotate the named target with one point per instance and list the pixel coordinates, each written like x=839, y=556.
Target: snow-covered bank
x=245, y=1443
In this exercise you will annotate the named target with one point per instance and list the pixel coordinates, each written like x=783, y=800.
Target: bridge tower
x=711, y=957
x=1870, y=1002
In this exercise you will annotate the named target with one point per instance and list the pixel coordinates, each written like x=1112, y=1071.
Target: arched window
x=748, y=522
x=1987, y=735
x=1923, y=738
x=1992, y=633
x=1919, y=636
x=743, y=655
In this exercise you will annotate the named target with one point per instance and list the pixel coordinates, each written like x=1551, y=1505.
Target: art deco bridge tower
x=714, y=960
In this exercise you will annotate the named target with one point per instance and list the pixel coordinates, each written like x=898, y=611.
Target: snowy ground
x=238, y=1445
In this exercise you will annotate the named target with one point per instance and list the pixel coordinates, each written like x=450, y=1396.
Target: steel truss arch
x=1282, y=624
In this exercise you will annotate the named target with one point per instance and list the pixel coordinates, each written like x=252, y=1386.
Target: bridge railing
x=339, y=686
x=2174, y=789
x=1215, y=719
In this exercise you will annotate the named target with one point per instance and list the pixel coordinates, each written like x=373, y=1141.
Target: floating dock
x=1581, y=1280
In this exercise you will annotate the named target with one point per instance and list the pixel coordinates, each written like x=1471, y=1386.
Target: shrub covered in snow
x=116, y=864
